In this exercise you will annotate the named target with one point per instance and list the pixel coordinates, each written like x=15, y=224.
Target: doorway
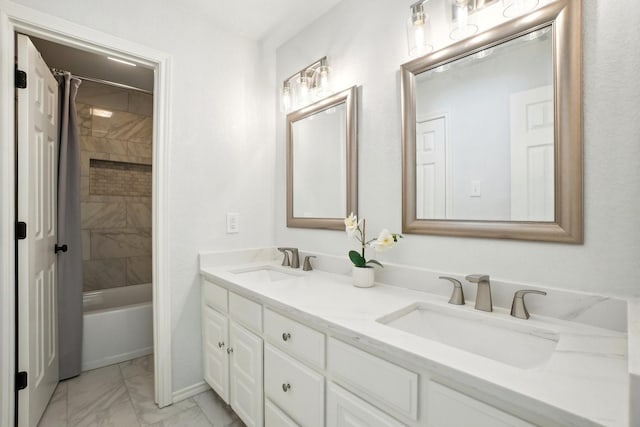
x=22, y=20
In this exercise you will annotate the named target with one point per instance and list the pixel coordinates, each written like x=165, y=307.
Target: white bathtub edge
x=189, y=391
x=111, y=360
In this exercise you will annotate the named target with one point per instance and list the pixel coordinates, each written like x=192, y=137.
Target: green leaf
x=357, y=259
x=373, y=261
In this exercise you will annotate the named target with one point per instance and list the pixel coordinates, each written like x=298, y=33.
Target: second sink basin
x=503, y=340
x=266, y=273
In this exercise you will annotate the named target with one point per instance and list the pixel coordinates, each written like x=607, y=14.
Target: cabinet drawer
x=214, y=296
x=295, y=338
x=274, y=417
x=448, y=407
x=374, y=378
x=346, y=409
x=298, y=390
x=245, y=311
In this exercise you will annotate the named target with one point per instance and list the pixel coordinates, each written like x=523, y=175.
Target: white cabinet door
x=215, y=343
x=246, y=375
x=450, y=408
x=274, y=417
x=347, y=410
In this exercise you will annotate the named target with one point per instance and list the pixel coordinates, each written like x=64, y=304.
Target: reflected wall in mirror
x=492, y=132
x=322, y=162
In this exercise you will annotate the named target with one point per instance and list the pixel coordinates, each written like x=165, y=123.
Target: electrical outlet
x=233, y=222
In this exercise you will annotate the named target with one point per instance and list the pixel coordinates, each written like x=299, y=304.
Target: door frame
x=16, y=18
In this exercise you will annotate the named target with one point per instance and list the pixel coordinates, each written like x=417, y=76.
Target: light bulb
x=418, y=31
x=286, y=98
x=304, y=90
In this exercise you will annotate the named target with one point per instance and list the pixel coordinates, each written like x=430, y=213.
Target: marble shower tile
x=141, y=392
x=217, y=412
x=104, y=145
x=139, y=214
x=103, y=215
x=96, y=395
x=86, y=245
x=56, y=413
x=140, y=366
x=103, y=96
x=103, y=273
x=139, y=270
x=140, y=103
x=139, y=149
x=121, y=243
x=192, y=417
x=123, y=126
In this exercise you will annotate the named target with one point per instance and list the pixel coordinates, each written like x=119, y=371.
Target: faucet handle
x=457, y=296
x=285, y=260
x=477, y=278
x=307, y=263
x=518, y=309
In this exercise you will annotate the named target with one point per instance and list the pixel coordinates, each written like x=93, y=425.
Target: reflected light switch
x=475, y=189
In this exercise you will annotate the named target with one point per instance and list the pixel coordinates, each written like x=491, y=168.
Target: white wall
x=365, y=43
x=220, y=160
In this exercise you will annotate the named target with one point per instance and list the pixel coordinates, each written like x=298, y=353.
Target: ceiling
x=272, y=21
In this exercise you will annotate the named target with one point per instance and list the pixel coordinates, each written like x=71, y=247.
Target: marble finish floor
x=121, y=395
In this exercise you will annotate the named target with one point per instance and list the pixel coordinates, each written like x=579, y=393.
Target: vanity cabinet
x=345, y=409
x=233, y=354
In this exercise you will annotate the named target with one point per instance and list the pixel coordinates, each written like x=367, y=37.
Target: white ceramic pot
x=363, y=276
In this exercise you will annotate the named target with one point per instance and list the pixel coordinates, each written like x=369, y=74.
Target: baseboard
x=189, y=391
x=88, y=365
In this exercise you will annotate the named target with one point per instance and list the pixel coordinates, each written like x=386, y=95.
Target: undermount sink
x=266, y=273
x=504, y=340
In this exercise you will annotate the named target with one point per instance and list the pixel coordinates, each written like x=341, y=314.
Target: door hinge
x=21, y=380
x=21, y=79
x=21, y=230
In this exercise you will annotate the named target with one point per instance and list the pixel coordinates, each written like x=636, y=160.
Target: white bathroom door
x=431, y=168
x=37, y=197
x=532, y=155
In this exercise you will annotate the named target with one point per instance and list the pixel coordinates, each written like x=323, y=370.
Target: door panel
x=37, y=183
x=431, y=168
x=246, y=375
x=216, y=359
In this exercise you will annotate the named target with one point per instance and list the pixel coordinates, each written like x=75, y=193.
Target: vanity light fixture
x=306, y=86
x=418, y=30
x=462, y=27
x=513, y=8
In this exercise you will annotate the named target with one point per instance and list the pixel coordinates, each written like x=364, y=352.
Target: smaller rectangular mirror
x=322, y=162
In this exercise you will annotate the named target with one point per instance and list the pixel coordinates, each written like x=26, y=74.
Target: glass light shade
x=513, y=8
x=322, y=82
x=418, y=32
x=461, y=25
x=304, y=90
x=286, y=98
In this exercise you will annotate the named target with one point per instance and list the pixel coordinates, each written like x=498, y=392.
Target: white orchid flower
x=384, y=241
x=351, y=224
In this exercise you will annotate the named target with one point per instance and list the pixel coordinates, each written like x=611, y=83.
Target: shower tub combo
x=118, y=325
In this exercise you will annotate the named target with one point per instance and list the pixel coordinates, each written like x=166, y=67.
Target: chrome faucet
x=457, y=296
x=295, y=259
x=285, y=260
x=518, y=309
x=483, y=296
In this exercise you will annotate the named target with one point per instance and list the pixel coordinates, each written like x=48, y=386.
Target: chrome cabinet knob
x=229, y=350
x=286, y=336
x=221, y=344
x=286, y=387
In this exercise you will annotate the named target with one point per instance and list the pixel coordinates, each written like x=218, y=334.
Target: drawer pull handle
x=221, y=344
x=286, y=387
x=286, y=336
x=229, y=350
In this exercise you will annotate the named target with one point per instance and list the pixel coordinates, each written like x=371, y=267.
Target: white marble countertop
x=585, y=381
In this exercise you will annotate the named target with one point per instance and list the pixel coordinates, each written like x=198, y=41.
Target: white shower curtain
x=69, y=262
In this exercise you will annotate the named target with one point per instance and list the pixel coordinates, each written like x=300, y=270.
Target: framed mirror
x=492, y=132
x=322, y=162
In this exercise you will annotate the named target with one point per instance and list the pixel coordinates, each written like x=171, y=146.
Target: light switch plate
x=233, y=222
x=475, y=189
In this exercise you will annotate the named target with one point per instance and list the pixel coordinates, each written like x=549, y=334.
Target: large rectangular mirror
x=492, y=132
x=322, y=162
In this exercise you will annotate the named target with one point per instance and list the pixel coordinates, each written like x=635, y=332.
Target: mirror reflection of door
x=431, y=168
x=532, y=168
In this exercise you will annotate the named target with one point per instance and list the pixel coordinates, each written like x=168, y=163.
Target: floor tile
x=141, y=392
x=140, y=366
x=56, y=413
x=218, y=412
x=192, y=417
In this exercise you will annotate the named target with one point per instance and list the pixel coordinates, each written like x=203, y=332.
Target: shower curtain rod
x=57, y=71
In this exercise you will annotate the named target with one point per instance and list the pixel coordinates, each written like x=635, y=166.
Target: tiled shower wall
x=115, y=185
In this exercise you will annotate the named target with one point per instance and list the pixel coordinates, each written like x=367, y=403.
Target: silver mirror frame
x=349, y=98
x=565, y=17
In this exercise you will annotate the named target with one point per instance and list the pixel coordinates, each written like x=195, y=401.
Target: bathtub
x=118, y=325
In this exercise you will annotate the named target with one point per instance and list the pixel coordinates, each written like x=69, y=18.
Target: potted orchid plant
x=363, y=273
